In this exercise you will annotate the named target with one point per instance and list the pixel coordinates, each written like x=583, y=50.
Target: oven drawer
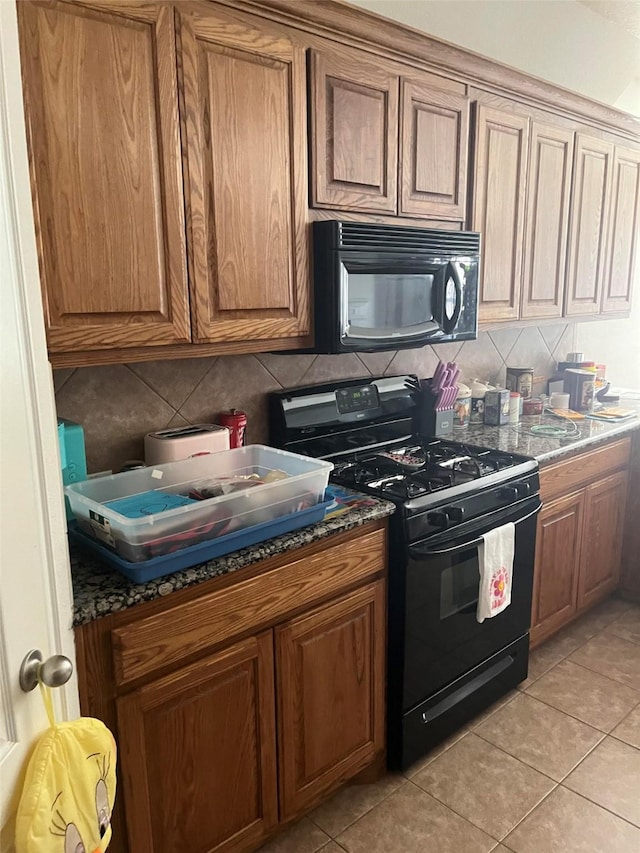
x=437, y=717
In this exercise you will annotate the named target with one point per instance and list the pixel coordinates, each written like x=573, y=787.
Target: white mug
x=559, y=401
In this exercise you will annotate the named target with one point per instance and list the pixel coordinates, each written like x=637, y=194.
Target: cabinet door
x=557, y=565
x=354, y=133
x=589, y=213
x=197, y=754
x=330, y=686
x=434, y=150
x=605, y=503
x=244, y=95
x=547, y=221
x=624, y=231
x=101, y=103
x=502, y=141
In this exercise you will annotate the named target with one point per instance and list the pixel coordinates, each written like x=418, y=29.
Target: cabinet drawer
x=581, y=470
x=166, y=638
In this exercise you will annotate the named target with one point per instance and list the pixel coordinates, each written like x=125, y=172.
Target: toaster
x=170, y=445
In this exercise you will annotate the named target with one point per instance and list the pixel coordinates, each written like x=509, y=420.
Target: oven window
x=459, y=583
x=387, y=301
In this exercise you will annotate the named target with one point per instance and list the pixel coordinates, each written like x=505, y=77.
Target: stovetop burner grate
x=411, y=470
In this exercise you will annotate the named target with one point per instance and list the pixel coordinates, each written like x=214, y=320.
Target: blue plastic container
x=185, y=558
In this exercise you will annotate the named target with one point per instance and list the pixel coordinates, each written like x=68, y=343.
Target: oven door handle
x=427, y=552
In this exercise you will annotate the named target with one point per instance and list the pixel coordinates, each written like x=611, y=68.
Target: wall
x=563, y=41
x=569, y=44
x=118, y=404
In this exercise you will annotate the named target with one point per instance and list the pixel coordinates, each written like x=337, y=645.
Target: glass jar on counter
x=515, y=401
x=532, y=410
x=462, y=407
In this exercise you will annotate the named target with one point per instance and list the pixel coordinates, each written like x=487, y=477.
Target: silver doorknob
x=54, y=672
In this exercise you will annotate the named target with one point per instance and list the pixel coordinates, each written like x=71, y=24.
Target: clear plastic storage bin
x=138, y=513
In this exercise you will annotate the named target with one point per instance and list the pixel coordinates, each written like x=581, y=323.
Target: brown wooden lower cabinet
x=239, y=704
x=602, y=540
x=198, y=753
x=579, y=537
x=557, y=565
x=330, y=687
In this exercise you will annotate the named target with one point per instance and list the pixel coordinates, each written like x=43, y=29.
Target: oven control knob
x=438, y=519
x=509, y=493
x=454, y=514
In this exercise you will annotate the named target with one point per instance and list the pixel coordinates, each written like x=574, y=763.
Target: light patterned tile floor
x=577, y=789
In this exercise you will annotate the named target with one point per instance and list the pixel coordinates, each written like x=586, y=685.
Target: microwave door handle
x=449, y=323
x=427, y=552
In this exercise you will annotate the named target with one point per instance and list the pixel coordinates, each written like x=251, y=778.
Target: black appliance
x=385, y=287
x=444, y=666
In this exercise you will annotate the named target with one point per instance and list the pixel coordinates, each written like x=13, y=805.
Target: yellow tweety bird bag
x=69, y=789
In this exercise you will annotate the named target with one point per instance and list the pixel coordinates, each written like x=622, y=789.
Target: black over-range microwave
x=383, y=287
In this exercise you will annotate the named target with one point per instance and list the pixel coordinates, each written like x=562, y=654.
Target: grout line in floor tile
x=516, y=758
x=524, y=817
x=584, y=757
x=474, y=725
x=611, y=734
x=597, y=672
x=566, y=657
x=500, y=840
x=620, y=740
x=596, y=803
x=608, y=677
x=573, y=716
x=344, y=828
x=463, y=732
x=452, y=809
x=537, y=769
x=333, y=841
x=619, y=636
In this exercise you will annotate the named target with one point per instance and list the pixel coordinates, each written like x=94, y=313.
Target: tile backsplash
x=118, y=404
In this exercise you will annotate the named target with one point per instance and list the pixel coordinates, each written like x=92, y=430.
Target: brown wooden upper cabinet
x=624, y=231
x=245, y=110
x=501, y=149
x=546, y=221
x=101, y=84
x=559, y=214
x=354, y=132
x=589, y=213
x=385, y=143
x=434, y=135
x=101, y=99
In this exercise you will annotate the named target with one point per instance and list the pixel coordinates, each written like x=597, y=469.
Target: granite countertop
x=520, y=439
x=99, y=590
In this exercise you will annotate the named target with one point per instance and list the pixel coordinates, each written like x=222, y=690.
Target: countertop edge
x=100, y=591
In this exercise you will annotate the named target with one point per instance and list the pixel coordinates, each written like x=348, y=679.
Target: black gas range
x=444, y=666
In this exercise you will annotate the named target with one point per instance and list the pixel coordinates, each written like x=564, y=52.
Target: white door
x=35, y=588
